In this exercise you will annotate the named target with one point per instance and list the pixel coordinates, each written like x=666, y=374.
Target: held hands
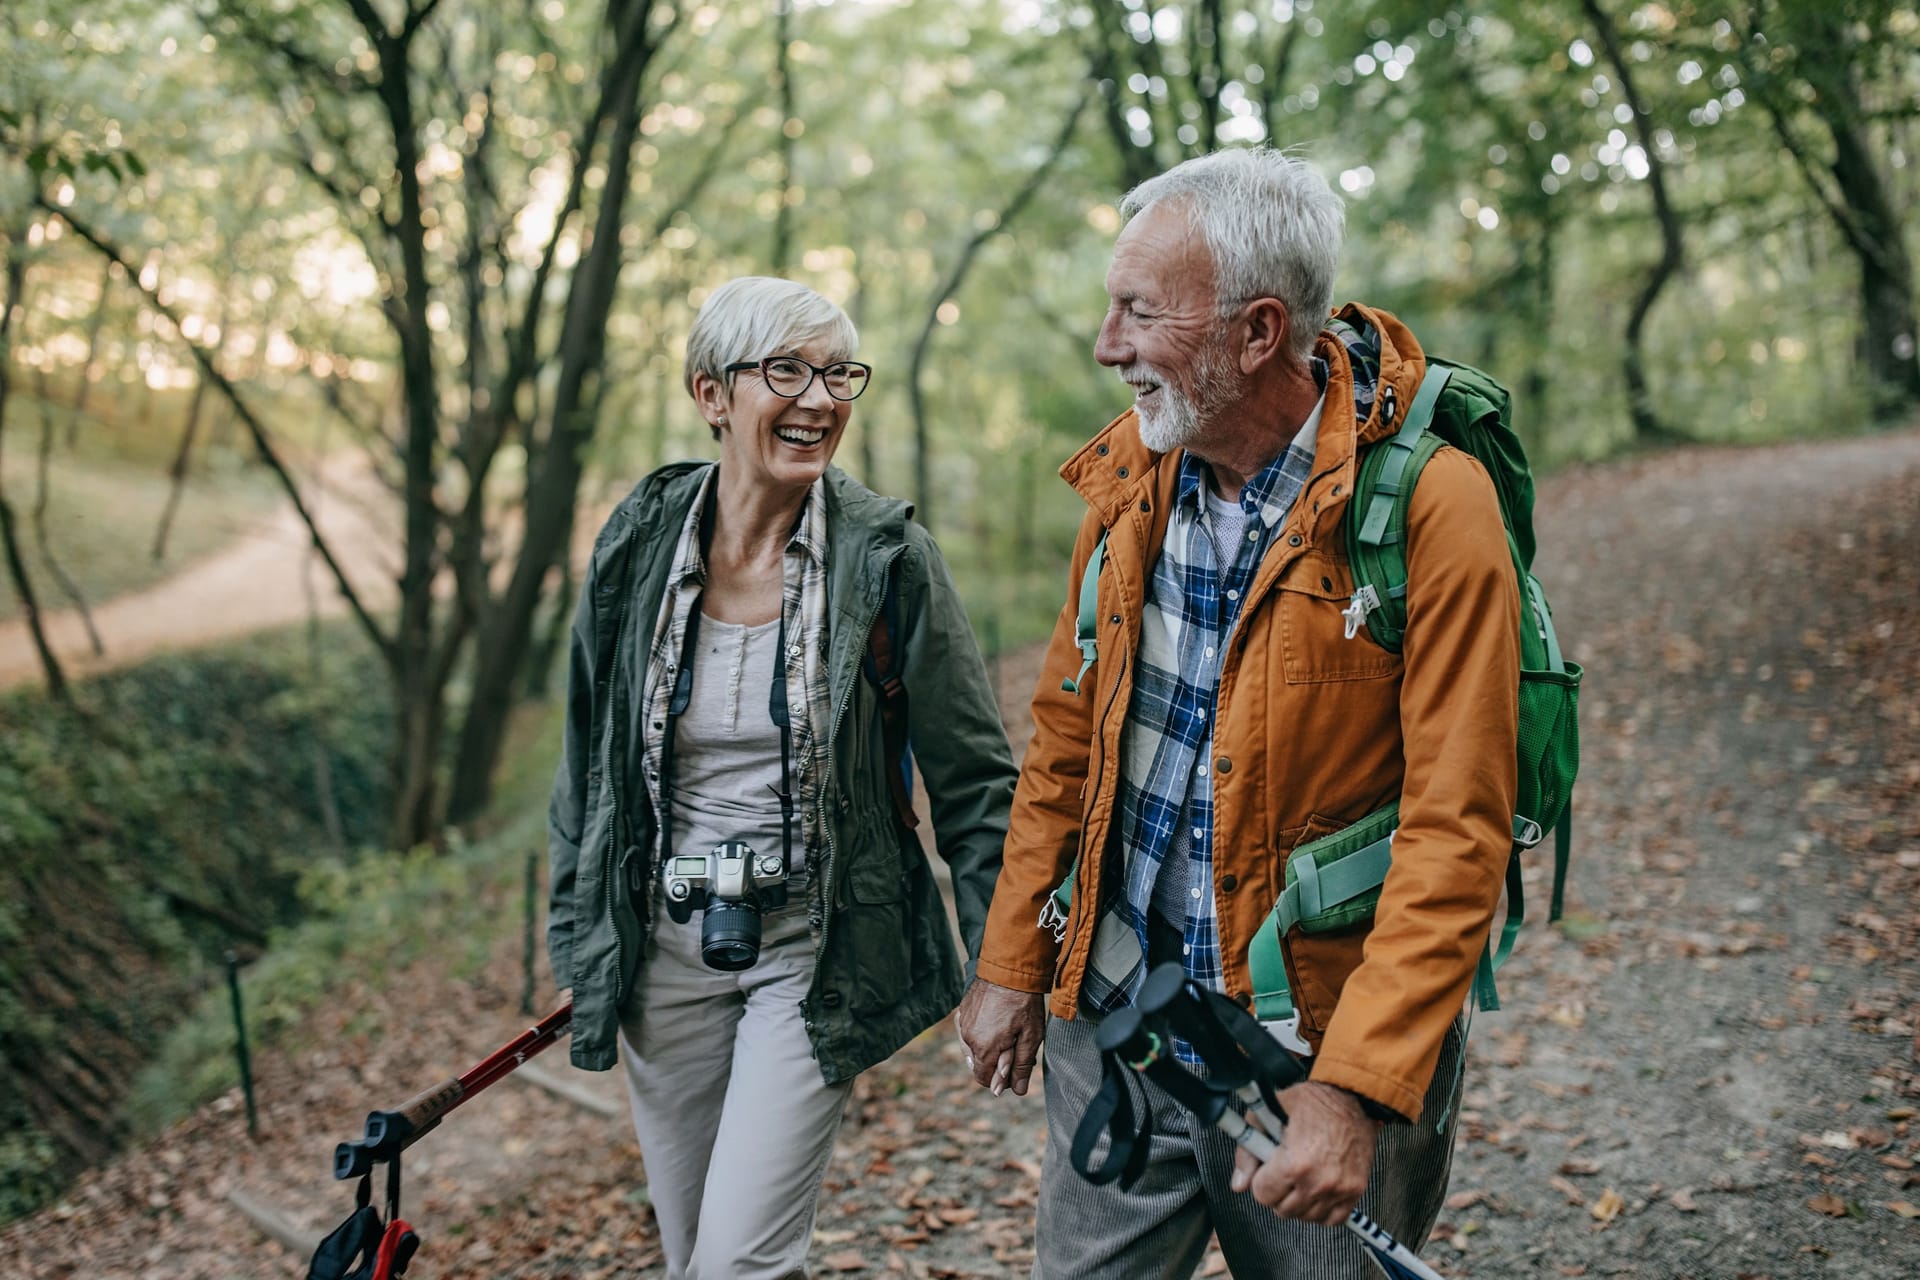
x=1321, y=1170
x=1001, y=1030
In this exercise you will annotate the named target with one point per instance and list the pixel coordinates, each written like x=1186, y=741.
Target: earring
x=720, y=421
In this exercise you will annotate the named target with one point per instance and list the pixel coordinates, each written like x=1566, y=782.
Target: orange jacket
x=1313, y=731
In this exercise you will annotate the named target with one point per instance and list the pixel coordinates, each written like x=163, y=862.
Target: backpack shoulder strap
x=1376, y=521
x=882, y=669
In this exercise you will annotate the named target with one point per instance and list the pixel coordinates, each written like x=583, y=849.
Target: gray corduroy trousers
x=1159, y=1229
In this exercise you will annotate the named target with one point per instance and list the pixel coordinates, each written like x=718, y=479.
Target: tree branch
x=255, y=428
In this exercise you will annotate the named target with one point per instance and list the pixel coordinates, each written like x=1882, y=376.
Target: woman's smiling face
x=769, y=439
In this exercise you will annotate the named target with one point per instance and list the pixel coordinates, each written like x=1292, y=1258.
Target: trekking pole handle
x=411, y=1118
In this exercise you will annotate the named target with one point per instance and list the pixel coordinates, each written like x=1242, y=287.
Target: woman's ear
x=711, y=395
x=1266, y=325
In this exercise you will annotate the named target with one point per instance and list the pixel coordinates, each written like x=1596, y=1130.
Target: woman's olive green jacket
x=887, y=967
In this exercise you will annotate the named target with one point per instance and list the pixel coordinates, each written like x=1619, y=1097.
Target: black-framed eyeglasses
x=790, y=376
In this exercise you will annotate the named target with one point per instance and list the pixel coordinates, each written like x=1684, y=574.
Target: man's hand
x=1001, y=1029
x=1321, y=1169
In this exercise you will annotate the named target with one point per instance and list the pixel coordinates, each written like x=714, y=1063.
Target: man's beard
x=1177, y=419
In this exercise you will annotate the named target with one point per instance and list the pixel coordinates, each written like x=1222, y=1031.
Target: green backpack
x=1334, y=882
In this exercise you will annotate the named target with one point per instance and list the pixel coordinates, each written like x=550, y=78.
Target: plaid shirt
x=804, y=608
x=1165, y=799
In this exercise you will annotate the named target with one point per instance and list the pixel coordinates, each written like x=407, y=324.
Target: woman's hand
x=1001, y=1029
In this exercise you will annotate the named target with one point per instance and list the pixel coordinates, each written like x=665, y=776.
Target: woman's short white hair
x=752, y=317
x=1272, y=223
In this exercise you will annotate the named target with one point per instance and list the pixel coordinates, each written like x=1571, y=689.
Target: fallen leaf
x=958, y=1217
x=1682, y=1200
x=1828, y=1203
x=1567, y=1189
x=1579, y=1168
x=1608, y=1206
x=1467, y=1199
x=1904, y=1208
x=845, y=1260
x=831, y=1238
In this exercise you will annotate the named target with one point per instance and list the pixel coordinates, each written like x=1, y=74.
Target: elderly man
x=1231, y=717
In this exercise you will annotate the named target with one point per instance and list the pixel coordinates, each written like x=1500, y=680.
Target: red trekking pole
x=364, y=1248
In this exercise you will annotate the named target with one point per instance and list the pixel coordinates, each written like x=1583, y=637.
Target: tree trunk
x=177, y=472
x=93, y=351
x=1646, y=422
x=1888, y=338
x=783, y=77
x=43, y=488
x=553, y=490
x=16, y=273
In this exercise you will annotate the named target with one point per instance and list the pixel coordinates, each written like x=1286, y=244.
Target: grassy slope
x=171, y=820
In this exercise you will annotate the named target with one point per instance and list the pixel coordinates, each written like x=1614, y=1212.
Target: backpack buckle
x=1053, y=919
x=1526, y=832
x=1365, y=601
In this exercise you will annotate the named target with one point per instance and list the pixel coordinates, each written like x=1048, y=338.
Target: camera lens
x=730, y=935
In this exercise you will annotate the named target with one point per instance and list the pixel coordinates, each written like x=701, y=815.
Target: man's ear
x=1265, y=324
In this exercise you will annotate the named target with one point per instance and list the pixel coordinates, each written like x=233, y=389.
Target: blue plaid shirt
x=1165, y=799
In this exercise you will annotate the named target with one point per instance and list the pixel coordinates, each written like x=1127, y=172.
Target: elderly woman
x=738, y=902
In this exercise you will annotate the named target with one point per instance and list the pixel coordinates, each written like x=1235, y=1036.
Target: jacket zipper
x=833, y=740
x=1093, y=797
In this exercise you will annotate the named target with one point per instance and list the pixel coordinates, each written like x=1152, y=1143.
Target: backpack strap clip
x=1365, y=601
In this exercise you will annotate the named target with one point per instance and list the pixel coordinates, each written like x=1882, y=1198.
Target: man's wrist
x=1377, y=1112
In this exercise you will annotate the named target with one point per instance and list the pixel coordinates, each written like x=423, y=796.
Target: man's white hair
x=753, y=317
x=1272, y=223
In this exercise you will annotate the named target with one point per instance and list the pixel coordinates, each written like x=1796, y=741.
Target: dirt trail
x=259, y=581
x=1710, y=1060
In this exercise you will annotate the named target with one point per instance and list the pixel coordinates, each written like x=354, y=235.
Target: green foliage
x=171, y=819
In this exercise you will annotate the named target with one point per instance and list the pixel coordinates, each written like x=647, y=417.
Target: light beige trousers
x=734, y=1120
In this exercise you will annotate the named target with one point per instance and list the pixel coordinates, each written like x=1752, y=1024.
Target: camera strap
x=677, y=704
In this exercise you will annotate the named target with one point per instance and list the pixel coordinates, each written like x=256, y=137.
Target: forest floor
x=1710, y=1069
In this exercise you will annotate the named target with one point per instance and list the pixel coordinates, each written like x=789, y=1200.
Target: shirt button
x=1233, y=593
x=1228, y=884
x=1200, y=770
x=1223, y=764
x=1186, y=948
x=1209, y=652
x=1199, y=833
x=1196, y=891
x=1253, y=535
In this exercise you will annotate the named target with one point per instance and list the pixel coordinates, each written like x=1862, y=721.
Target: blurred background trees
x=439, y=257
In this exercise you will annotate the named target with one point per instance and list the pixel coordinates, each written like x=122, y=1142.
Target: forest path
x=266, y=577
x=1708, y=1071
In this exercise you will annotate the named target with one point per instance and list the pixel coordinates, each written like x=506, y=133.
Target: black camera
x=733, y=885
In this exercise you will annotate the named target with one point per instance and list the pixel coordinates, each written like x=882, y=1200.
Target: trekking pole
x=391, y=1132
x=1145, y=1044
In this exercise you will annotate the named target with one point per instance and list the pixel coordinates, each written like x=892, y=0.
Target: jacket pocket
x=878, y=950
x=1312, y=600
